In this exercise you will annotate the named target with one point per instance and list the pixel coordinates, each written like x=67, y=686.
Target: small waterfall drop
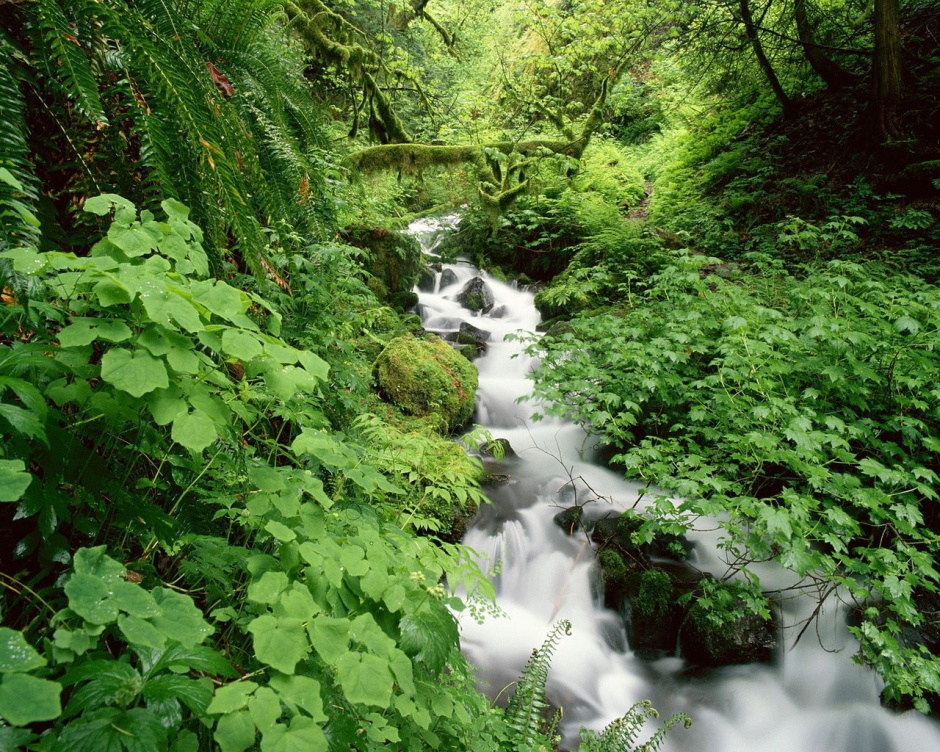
x=813, y=698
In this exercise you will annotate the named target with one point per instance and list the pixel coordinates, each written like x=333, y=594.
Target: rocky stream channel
x=557, y=512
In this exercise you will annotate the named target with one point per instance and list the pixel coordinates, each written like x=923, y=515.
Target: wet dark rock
x=497, y=448
x=747, y=639
x=496, y=479
x=472, y=337
x=426, y=280
x=475, y=331
x=406, y=301
x=476, y=296
x=448, y=277
x=498, y=312
x=569, y=519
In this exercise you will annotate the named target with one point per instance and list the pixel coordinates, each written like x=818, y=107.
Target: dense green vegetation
x=227, y=511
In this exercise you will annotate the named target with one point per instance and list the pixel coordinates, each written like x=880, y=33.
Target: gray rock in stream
x=448, y=277
x=748, y=639
x=426, y=280
x=476, y=295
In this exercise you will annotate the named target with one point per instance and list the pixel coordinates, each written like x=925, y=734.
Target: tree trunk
x=762, y=60
x=832, y=73
x=886, y=70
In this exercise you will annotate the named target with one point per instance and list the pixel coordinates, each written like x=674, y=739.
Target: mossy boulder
x=744, y=637
x=393, y=259
x=476, y=295
x=427, y=377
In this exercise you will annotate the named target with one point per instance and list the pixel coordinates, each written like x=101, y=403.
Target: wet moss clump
x=427, y=377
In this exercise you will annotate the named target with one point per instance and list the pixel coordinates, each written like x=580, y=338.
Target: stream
x=812, y=698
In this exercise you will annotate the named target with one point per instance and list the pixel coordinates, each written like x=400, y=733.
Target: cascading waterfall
x=812, y=699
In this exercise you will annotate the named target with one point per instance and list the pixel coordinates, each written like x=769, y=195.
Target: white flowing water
x=813, y=698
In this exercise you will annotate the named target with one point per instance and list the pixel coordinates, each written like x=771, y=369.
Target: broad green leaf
x=354, y=561
x=95, y=561
x=175, y=209
x=26, y=260
x=280, y=531
x=366, y=631
x=240, y=344
x=85, y=331
x=326, y=449
x=265, y=708
x=14, y=480
x=16, y=654
x=179, y=619
x=301, y=691
x=183, y=360
x=135, y=372
x=90, y=597
x=113, y=730
x=111, y=291
x=166, y=405
x=170, y=309
x=297, y=602
x=330, y=637
x=303, y=735
x=231, y=697
x=102, y=205
x=25, y=699
x=267, y=478
x=23, y=421
x=279, y=642
x=315, y=364
x=268, y=587
x=429, y=636
x=194, y=430
x=365, y=679
x=220, y=298
x=141, y=632
x=134, y=600
x=235, y=732
x=133, y=240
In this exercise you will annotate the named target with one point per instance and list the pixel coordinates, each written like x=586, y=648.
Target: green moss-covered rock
x=743, y=638
x=393, y=259
x=427, y=376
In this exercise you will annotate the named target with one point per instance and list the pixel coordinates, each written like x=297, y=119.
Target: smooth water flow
x=812, y=699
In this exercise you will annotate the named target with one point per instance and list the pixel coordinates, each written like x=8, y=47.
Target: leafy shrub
x=799, y=412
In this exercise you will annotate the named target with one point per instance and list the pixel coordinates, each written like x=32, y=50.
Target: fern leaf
x=526, y=712
x=67, y=61
x=18, y=193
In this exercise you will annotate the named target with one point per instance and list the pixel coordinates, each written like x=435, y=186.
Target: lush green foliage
x=800, y=412
x=296, y=563
x=198, y=100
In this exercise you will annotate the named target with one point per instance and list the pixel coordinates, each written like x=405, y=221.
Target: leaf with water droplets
x=16, y=654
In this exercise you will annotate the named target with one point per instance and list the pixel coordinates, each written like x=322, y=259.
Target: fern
x=18, y=193
x=622, y=734
x=67, y=62
x=528, y=706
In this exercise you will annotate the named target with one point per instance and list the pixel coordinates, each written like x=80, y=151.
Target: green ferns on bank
x=200, y=101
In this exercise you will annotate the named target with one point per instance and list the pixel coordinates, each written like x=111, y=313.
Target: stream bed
x=812, y=698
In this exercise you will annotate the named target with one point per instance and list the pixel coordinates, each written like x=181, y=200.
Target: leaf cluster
x=798, y=412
